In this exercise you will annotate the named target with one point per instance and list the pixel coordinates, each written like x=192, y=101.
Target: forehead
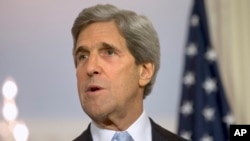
x=100, y=32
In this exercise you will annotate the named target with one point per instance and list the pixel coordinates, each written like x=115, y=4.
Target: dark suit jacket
x=158, y=134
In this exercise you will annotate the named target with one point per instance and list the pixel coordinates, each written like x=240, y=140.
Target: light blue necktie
x=122, y=136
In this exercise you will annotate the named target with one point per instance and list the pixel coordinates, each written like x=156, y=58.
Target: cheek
x=81, y=81
x=80, y=75
x=125, y=81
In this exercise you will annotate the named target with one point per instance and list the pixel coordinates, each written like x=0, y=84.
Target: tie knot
x=122, y=136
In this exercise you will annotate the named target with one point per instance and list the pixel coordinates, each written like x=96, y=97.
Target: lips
x=93, y=88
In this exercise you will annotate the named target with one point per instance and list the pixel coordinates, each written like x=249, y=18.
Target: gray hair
x=139, y=33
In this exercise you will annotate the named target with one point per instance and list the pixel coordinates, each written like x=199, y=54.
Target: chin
x=96, y=114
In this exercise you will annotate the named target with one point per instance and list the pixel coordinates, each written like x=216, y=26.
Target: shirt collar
x=139, y=130
x=100, y=134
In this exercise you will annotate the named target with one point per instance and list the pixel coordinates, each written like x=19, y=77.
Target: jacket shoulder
x=85, y=136
x=161, y=134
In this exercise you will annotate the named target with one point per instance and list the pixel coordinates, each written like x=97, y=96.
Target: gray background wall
x=35, y=50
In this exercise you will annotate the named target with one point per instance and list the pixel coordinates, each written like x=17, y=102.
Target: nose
x=93, y=65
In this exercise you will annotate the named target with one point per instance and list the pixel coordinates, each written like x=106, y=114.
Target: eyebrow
x=110, y=46
x=107, y=45
x=79, y=49
x=101, y=45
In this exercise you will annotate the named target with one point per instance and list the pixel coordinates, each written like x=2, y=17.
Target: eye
x=110, y=52
x=81, y=57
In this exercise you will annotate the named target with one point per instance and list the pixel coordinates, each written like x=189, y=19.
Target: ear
x=146, y=72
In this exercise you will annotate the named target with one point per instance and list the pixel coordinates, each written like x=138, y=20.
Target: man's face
x=107, y=76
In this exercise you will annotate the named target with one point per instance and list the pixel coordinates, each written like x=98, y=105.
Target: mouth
x=92, y=89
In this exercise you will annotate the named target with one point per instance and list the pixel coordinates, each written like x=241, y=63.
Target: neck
x=121, y=121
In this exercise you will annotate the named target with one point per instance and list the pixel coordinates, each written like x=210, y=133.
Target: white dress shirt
x=140, y=130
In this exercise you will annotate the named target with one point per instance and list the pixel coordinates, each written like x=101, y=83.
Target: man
x=117, y=56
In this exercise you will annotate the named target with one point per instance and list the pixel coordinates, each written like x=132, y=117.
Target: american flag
x=204, y=112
